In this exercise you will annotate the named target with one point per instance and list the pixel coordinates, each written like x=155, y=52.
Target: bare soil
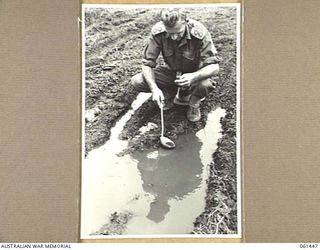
x=114, y=44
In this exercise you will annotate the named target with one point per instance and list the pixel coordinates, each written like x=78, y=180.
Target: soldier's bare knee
x=206, y=85
x=137, y=80
x=203, y=88
x=139, y=84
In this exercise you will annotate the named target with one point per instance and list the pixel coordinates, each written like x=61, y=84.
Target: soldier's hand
x=185, y=80
x=157, y=96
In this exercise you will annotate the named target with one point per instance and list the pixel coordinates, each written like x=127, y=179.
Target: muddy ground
x=113, y=50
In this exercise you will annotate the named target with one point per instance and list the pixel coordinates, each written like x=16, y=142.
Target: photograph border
x=239, y=69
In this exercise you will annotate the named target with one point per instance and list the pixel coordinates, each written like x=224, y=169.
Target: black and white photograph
x=161, y=152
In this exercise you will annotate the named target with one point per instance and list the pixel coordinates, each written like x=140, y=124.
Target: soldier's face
x=176, y=32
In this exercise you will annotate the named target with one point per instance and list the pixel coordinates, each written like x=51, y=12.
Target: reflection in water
x=171, y=174
x=163, y=190
x=177, y=181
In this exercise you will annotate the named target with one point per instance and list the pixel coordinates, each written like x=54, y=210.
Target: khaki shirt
x=194, y=51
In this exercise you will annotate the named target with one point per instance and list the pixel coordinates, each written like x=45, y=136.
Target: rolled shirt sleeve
x=208, y=52
x=151, y=52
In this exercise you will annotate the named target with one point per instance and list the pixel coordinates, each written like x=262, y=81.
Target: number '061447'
x=307, y=245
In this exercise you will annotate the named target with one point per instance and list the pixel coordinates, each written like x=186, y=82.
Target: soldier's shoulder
x=197, y=29
x=158, y=28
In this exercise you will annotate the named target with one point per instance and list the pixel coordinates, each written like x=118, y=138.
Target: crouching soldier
x=190, y=60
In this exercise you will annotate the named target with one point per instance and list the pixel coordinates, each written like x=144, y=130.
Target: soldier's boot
x=168, y=100
x=167, y=103
x=193, y=112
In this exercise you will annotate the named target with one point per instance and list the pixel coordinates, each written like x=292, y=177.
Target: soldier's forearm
x=206, y=72
x=149, y=76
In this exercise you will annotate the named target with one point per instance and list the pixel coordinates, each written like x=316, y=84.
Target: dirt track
x=114, y=46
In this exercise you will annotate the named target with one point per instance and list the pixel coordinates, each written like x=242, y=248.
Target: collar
x=186, y=34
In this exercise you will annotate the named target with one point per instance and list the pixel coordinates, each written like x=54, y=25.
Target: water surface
x=163, y=190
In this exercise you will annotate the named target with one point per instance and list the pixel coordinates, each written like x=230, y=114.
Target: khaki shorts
x=165, y=81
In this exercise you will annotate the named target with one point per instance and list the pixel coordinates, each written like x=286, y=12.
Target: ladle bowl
x=167, y=143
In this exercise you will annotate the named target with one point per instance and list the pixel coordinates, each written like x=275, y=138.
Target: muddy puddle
x=159, y=191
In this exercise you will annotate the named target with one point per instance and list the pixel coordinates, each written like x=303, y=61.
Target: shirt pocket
x=190, y=61
x=189, y=55
x=168, y=56
x=168, y=53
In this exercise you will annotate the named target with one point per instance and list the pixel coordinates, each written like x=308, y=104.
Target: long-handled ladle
x=165, y=141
